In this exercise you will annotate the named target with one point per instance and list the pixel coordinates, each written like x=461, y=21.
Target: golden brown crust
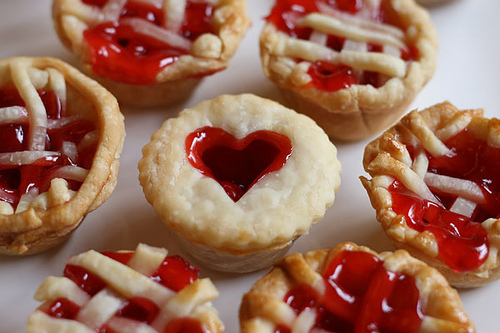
x=361, y=110
x=387, y=158
x=176, y=81
x=262, y=308
x=37, y=229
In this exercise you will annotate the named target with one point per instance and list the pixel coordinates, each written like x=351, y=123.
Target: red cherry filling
x=139, y=309
x=361, y=296
x=174, y=273
x=185, y=325
x=237, y=164
x=63, y=308
x=463, y=242
x=328, y=77
x=119, y=53
x=17, y=180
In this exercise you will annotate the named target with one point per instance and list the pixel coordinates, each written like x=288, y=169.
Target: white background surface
x=468, y=74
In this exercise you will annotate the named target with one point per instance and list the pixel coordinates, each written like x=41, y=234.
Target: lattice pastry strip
x=271, y=303
x=443, y=170
x=358, y=30
x=28, y=81
x=133, y=280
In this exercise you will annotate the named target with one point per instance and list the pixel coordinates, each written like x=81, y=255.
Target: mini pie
x=351, y=288
x=352, y=66
x=61, y=134
x=141, y=291
x=151, y=52
x=436, y=188
x=239, y=178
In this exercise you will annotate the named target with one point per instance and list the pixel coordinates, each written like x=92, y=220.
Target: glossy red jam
x=463, y=242
x=361, y=296
x=237, y=164
x=174, y=273
x=185, y=325
x=328, y=77
x=18, y=180
x=119, y=53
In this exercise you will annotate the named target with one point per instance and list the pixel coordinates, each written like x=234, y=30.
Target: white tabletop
x=468, y=75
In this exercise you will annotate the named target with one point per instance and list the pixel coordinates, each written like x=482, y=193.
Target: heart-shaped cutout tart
x=351, y=288
x=281, y=164
x=237, y=164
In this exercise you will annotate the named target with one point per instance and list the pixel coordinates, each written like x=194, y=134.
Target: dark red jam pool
x=17, y=180
x=463, y=242
x=174, y=273
x=325, y=76
x=237, y=164
x=361, y=296
x=119, y=53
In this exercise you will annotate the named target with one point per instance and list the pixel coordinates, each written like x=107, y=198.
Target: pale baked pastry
x=350, y=288
x=436, y=187
x=61, y=134
x=238, y=179
x=433, y=2
x=352, y=66
x=151, y=52
x=141, y=291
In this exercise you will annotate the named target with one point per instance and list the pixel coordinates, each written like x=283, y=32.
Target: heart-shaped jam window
x=237, y=164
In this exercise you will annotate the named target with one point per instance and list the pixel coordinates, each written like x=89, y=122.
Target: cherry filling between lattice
x=41, y=146
x=465, y=185
x=132, y=41
x=341, y=43
x=109, y=292
x=360, y=295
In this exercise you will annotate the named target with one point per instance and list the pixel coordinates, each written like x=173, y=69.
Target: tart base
x=346, y=124
x=149, y=96
x=232, y=263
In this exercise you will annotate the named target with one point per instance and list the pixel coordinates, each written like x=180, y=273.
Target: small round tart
x=436, y=188
x=61, y=134
x=350, y=288
x=239, y=178
x=141, y=291
x=151, y=52
x=352, y=66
